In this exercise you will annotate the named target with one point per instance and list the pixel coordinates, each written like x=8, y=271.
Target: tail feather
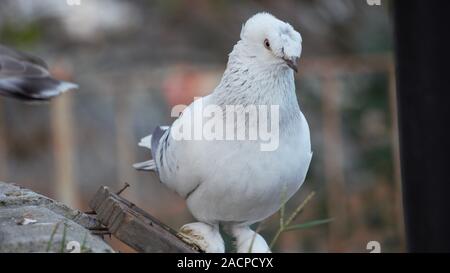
x=34, y=88
x=146, y=142
x=151, y=142
x=149, y=165
x=62, y=87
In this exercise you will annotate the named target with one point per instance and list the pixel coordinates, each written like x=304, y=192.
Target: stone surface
x=30, y=222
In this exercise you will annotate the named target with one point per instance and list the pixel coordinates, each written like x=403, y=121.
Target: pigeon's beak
x=292, y=63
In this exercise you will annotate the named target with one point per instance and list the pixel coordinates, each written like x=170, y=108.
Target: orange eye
x=267, y=44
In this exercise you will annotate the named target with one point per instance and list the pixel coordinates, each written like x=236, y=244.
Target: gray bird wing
x=22, y=56
x=26, y=77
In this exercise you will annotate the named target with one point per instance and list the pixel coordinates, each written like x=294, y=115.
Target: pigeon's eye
x=267, y=44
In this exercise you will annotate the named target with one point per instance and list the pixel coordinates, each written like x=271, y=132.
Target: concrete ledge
x=30, y=222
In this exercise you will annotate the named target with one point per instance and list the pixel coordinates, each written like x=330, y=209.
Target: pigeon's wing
x=159, y=138
x=26, y=77
x=22, y=56
x=174, y=159
x=167, y=156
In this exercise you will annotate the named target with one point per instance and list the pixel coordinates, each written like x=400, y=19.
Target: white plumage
x=234, y=183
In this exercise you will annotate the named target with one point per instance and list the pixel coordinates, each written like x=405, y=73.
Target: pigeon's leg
x=248, y=241
x=206, y=236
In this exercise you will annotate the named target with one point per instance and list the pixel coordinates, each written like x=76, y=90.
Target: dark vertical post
x=423, y=77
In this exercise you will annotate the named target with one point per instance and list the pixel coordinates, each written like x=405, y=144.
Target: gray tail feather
x=149, y=166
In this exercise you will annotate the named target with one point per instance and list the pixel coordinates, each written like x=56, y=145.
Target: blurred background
x=134, y=60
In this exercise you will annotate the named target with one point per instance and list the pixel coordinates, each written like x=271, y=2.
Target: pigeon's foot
x=205, y=236
x=248, y=241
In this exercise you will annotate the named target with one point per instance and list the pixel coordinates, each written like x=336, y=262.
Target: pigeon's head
x=272, y=41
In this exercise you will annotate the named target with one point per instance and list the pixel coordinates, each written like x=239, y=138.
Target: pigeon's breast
x=244, y=184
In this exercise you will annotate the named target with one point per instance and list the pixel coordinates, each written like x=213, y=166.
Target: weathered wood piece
x=135, y=227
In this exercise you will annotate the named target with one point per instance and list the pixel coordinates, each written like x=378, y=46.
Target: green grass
x=52, y=236
x=285, y=224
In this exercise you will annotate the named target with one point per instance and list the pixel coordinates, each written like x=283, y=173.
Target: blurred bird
x=235, y=183
x=26, y=77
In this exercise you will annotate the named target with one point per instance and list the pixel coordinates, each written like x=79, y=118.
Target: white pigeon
x=26, y=77
x=234, y=183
